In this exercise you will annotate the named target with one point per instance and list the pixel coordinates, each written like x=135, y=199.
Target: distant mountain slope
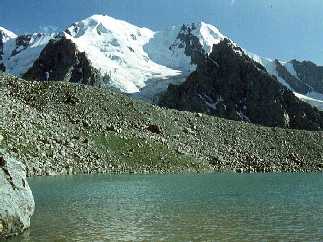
x=134, y=59
x=229, y=84
x=305, y=78
x=5, y=36
x=129, y=58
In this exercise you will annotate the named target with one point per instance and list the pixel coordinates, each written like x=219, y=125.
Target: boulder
x=16, y=199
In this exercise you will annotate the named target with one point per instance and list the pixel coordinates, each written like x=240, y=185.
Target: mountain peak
x=207, y=33
x=6, y=34
x=102, y=24
x=231, y=85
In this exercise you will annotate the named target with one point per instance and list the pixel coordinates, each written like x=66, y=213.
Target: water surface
x=223, y=207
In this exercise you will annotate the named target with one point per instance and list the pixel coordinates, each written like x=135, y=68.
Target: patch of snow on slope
x=159, y=49
x=209, y=35
x=270, y=66
x=290, y=68
x=116, y=48
x=313, y=98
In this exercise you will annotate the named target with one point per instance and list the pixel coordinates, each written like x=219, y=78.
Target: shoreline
x=239, y=170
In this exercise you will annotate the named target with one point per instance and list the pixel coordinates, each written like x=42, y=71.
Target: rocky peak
x=231, y=85
x=2, y=68
x=61, y=60
x=190, y=42
x=25, y=41
x=296, y=84
x=309, y=73
x=5, y=35
x=1, y=45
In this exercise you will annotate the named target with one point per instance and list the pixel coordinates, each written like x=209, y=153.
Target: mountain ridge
x=230, y=84
x=137, y=60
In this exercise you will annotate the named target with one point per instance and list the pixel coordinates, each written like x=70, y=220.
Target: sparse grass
x=138, y=153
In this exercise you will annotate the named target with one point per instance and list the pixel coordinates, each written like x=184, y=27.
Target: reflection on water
x=178, y=208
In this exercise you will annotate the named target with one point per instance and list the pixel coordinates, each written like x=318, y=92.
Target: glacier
x=137, y=60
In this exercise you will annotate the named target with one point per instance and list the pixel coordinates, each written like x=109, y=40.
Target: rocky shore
x=58, y=128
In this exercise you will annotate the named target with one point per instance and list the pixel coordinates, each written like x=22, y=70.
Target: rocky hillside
x=229, y=84
x=64, y=128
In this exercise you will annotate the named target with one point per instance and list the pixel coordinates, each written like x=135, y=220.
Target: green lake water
x=214, y=207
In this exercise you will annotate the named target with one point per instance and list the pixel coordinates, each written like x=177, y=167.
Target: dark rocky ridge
x=310, y=73
x=22, y=42
x=298, y=85
x=191, y=43
x=2, y=67
x=1, y=45
x=64, y=62
x=231, y=85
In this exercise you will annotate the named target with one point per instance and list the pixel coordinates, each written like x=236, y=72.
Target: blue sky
x=283, y=29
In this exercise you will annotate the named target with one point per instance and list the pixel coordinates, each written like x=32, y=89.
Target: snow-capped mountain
x=305, y=79
x=230, y=84
x=20, y=52
x=138, y=60
x=5, y=36
x=105, y=51
x=117, y=49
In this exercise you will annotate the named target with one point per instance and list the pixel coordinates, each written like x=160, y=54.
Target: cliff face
x=310, y=74
x=2, y=67
x=22, y=43
x=61, y=60
x=231, y=85
x=295, y=83
x=188, y=41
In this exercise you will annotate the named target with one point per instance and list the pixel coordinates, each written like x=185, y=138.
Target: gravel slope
x=60, y=128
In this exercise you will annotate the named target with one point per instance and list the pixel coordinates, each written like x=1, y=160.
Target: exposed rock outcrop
x=298, y=85
x=1, y=45
x=190, y=43
x=231, y=85
x=2, y=67
x=60, y=60
x=16, y=199
x=310, y=74
x=22, y=42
